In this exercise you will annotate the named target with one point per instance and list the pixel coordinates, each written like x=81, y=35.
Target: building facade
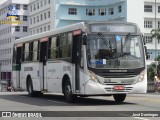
x=49, y=14
x=13, y=25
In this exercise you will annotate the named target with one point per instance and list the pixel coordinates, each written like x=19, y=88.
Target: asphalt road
x=93, y=108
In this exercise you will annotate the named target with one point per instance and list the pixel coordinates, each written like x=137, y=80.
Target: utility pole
x=156, y=36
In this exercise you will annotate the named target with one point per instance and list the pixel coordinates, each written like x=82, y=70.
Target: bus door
x=43, y=59
x=17, y=66
x=76, y=59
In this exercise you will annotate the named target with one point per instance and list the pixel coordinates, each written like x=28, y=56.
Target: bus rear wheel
x=68, y=93
x=30, y=88
x=119, y=97
x=31, y=92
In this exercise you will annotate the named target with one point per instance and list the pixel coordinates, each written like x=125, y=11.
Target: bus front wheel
x=119, y=97
x=68, y=92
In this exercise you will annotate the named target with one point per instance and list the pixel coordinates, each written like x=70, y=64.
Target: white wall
x=135, y=12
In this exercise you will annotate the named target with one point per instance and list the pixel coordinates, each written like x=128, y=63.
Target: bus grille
x=126, y=89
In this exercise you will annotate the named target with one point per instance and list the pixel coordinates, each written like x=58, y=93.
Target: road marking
x=140, y=118
x=58, y=102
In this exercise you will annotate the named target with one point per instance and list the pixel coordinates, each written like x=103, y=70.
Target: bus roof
x=76, y=26
x=68, y=28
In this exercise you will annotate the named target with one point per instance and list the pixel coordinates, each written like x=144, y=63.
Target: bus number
x=66, y=68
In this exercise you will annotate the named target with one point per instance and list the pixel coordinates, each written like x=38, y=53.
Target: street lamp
x=155, y=37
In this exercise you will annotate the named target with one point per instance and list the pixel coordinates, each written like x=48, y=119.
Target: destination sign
x=112, y=28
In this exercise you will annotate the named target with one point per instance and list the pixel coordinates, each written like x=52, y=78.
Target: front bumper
x=93, y=88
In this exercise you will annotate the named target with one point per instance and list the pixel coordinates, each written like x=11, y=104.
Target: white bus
x=83, y=59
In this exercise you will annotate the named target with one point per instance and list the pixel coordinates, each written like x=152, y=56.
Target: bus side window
x=31, y=51
x=58, y=49
x=70, y=39
x=23, y=52
x=35, y=53
x=53, y=47
x=26, y=58
x=49, y=48
x=14, y=54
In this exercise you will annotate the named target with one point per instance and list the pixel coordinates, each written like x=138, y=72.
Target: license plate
x=118, y=87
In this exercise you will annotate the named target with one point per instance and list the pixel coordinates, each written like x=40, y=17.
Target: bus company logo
x=6, y=114
x=11, y=14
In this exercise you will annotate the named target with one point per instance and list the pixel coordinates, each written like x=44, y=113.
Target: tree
x=156, y=33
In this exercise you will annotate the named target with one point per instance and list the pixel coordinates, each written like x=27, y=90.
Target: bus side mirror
x=84, y=39
x=145, y=48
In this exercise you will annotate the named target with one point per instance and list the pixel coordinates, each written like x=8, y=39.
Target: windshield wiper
x=106, y=41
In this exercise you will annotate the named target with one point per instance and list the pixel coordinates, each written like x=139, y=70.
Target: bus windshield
x=115, y=51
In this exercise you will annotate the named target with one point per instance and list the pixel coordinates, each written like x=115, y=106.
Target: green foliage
x=150, y=73
x=156, y=33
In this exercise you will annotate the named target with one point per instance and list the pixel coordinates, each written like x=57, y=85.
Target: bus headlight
x=141, y=76
x=92, y=76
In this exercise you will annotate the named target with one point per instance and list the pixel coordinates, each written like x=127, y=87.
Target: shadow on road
x=58, y=100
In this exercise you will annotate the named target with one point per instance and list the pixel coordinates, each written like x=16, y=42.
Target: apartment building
x=13, y=25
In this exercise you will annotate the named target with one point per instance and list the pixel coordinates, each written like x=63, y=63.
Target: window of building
x=30, y=33
x=25, y=7
x=48, y=14
x=17, y=18
x=158, y=9
x=31, y=8
x=24, y=28
x=34, y=20
x=38, y=5
x=148, y=24
x=25, y=18
x=44, y=28
x=102, y=11
x=158, y=24
x=37, y=30
x=31, y=21
x=149, y=54
x=17, y=28
x=16, y=38
x=44, y=2
x=41, y=17
x=48, y=27
x=120, y=9
x=147, y=8
x=148, y=39
x=41, y=3
x=90, y=12
x=37, y=18
x=111, y=11
x=34, y=7
x=45, y=16
x=72, y=11
x=17, y=7
x=41, y=30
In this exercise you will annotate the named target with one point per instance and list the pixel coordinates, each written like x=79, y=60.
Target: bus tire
x=30, y=88
x=68, y=92
x=119, y=97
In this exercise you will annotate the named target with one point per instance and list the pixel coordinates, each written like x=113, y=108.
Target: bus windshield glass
x=114, y=51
